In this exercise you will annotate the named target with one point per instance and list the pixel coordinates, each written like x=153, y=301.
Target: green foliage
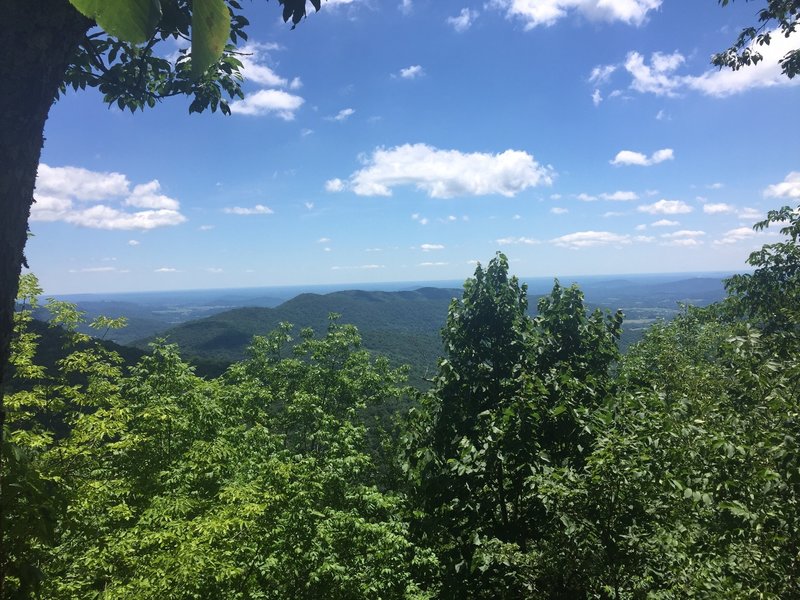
x=540, y=465
x=785, y=14
x=257, y=485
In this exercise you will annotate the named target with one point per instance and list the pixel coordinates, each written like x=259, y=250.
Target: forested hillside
x=401, y=325
x=542, y=463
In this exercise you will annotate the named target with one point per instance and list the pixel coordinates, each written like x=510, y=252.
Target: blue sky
x=403, y=140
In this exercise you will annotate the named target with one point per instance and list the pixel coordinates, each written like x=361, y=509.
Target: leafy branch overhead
x=779, y=17
x=121, y=62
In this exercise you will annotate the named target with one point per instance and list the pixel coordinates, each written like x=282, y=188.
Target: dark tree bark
x=37, y=40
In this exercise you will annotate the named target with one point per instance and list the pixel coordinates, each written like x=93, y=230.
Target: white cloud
x=628, y=157
x=586, y=239
x=165, y=270
x=683, y=233
x=406, y=6
x=597, y=97
x=295, y=84
x=718, y=208
x=788, y=188
x=334, y=185
x=557, y=210
x=419, y=219
x=640, y=227
x=258, y=209
x=133, y=242
x=214, y=270
x=509, y=241
x=463, y=20
x=429, y=247
x=716, y=186
x=664, y=223
x=743, y=234
x=253, y=68
x=586, y=197
x=61, y=190
x=683, y=242
x=412, y=72
x=767, y=73
x=342, y=115
x=657, y=77
x=98, y=269
x=146, y=196
x=750, y=214
x=324, y=240
x=516, y=217
x=613, y=213
x=449, y=173
x=666, y=207
x=80, y=184
x=433, y=264
x=601, y=74
x=309, y=205
x=534, y=13
x=620, y=196
x=206, y=227
x=264, y=102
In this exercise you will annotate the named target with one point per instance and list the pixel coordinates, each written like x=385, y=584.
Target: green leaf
x=211, y=25
x=128, y=20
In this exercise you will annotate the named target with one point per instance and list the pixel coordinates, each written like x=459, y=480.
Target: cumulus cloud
x=147, y=195
x=448, y=173
x=334, y=185
x=666, y=207
x=620, y=196
x=557, y=210
x=62, y=194
x=343, y=115
x=683, y=233
x=655, y=78
x=264, y=102
x=515, y=241
x=718, y=208
x=80, y=184
x=133, y=242
x=463, y=20
x=733, y=236
x=750, y=214
x=664, y=223
x=412, y=72
x=628, y=157
x=788, y=188
x=587, y=239
x=586, y=197
x=429, y=247
x=258, y=209
x=767, y=73
x=659, y=76
x=534, y=13
x=597, y=97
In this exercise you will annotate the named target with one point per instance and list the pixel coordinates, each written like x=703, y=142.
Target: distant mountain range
x=405, y=325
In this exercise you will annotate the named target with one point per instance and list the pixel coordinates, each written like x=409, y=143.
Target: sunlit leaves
x=211, y=26
x=129, y=20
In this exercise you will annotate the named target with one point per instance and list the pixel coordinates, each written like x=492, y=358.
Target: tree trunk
x=37, y=40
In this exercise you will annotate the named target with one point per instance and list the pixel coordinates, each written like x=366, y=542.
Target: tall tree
x=52, y=45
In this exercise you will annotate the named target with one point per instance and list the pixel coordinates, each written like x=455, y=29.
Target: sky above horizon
x=404, y=140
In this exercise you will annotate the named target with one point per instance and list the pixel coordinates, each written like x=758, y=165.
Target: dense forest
x=541, y=463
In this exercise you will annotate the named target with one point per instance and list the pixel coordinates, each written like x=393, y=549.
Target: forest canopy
x=541, y=464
